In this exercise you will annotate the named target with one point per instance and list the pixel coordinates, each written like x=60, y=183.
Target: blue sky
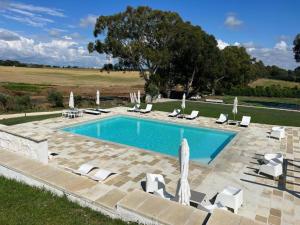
x=56, y=32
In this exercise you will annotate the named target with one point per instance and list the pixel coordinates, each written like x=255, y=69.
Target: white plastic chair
x=272, y=168
x=276, y=157
x=231, y=197
x=278, y=132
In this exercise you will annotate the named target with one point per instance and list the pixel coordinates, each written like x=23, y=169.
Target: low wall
x=32, y=148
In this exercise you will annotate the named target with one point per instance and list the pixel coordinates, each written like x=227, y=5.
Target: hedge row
x=271, y=91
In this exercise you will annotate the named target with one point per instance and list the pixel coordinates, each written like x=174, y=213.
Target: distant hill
x=30, y=65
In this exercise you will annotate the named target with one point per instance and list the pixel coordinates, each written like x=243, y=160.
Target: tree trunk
x=190, y=82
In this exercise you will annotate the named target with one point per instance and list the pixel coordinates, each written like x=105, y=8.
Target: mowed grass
x=24, y=87
x=258, y=115
x=25, y=119
x=269, y=82
x=69, y=77
x=22, y=204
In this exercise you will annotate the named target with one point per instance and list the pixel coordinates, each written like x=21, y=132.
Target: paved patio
x=274, y=202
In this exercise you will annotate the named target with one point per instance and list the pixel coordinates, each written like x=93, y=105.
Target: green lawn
x=25, y=119
x=266, y=116
x=22, y=204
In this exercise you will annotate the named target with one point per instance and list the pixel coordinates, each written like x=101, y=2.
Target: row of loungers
x=223, y=118
x=135, y=108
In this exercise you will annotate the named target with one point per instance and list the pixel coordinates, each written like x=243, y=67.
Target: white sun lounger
x=104, y=110
x=147, y=109
x=84, y=169
x=222, y=119
x=101, y=175
x=134, y=109
x=91, y=111
x=193, y=115
x=272, y=168
x=245, y=121
x=175, y=113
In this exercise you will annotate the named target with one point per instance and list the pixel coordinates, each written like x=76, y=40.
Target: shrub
x=152, y=89
x=270, y=91
x=77, y=100
x=55, y=98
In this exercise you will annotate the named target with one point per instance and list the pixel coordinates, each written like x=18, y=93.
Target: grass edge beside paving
x=258, y=115
x=23, y=204
x=25, y=119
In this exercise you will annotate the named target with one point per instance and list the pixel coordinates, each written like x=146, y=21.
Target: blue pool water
x=157, y=136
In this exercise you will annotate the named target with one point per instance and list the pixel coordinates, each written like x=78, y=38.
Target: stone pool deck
x=265, y=200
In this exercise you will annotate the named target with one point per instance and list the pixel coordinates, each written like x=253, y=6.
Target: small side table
x=233, y=122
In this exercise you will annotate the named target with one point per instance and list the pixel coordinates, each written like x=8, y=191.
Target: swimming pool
x=157, y=136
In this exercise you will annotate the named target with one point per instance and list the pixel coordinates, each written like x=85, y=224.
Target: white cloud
x=61, y=52
x=232, y=21
x=7, y=35
x=90, y=20
x=280, y=55
x=55, y=32
x=38, y=9
x=222, y=44
x=31, y=15
x=282, y=45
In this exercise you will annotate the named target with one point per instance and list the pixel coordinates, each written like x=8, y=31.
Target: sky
x=56, y=32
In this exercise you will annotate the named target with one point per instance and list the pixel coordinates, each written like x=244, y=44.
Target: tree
x=55, y=98
x=138, y=37
x=296, y=48
x=238, y=65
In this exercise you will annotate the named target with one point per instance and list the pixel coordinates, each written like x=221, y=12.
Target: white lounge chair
x=91, y=111
x=103, y=110
x=272, y=168
x=147, y=109
x=101, y=175
x=135, y=108
x=277, y=132
x=231, y=197
x=275, y=157
x=245, y=121
x=84, y=169
x=193, y=115
x=154, y=182
x=175, y=113
x=222, y=119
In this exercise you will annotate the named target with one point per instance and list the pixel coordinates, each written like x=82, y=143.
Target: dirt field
x=81, y=81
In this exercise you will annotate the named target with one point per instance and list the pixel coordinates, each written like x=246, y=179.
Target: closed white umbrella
x=183, y=190
x=139, y=98
x=235, y=105
x=183, y=103
x=135, y=98
x=71, y=101
x=131, y=98
x=98, y=98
